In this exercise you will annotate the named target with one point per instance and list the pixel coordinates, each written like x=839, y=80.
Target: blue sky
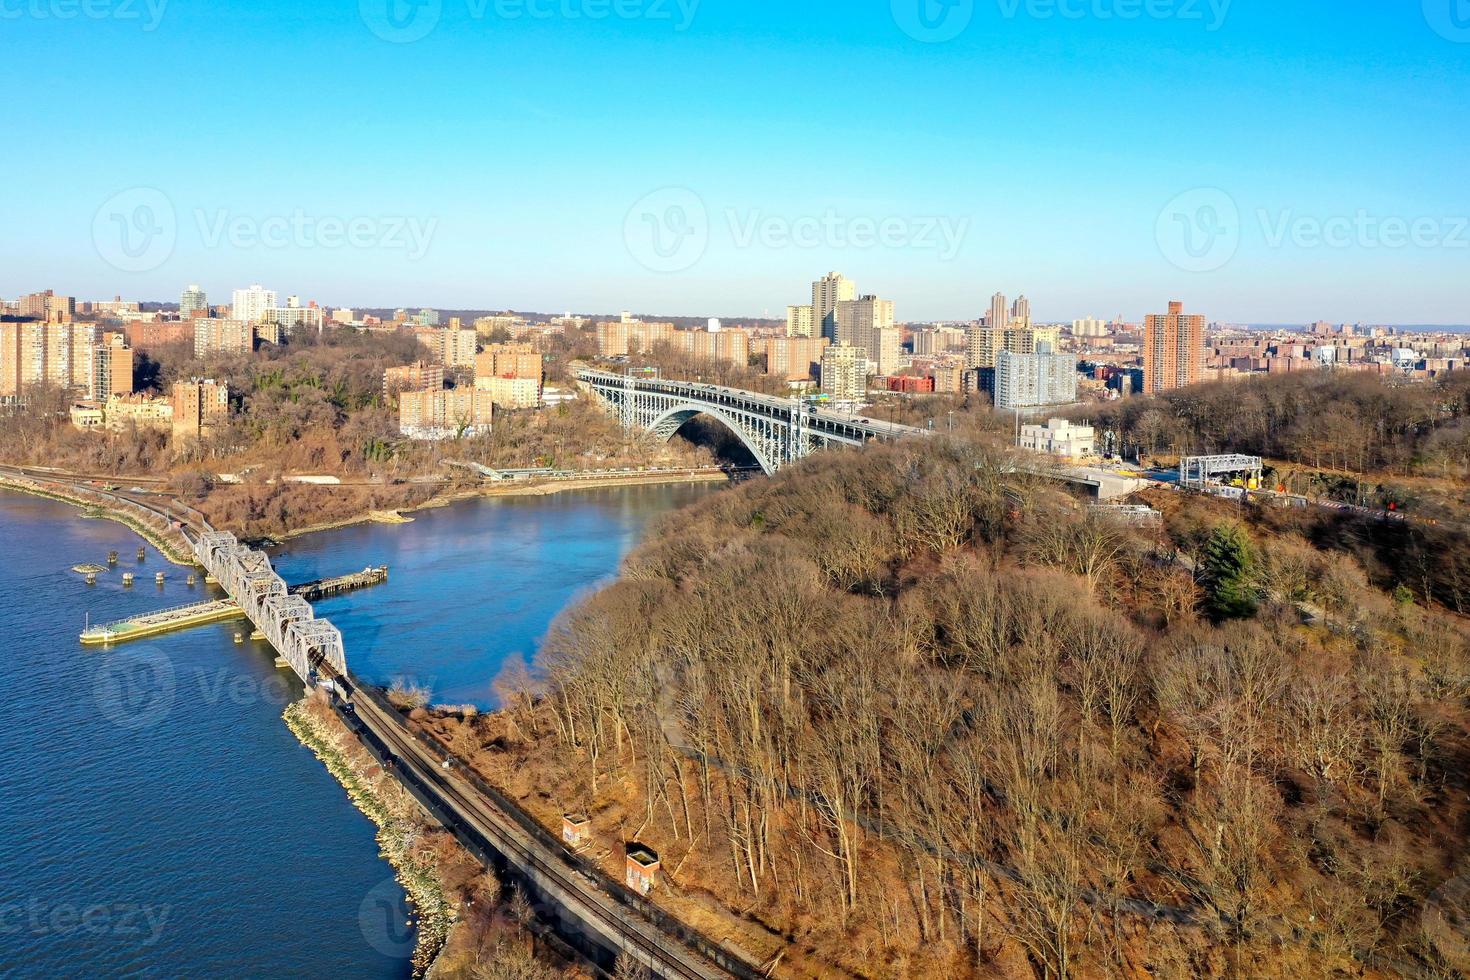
x=1262, y=161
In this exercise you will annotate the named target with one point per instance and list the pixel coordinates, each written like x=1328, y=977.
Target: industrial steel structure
x=777, y=431
x=287, y=620
x=1198, y=472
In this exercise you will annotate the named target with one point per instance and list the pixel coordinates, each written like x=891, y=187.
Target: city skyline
x=1313, y=172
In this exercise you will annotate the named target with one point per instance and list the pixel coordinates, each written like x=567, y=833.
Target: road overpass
x=777, y=431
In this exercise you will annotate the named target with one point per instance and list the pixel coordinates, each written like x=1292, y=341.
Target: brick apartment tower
x=1173, y=349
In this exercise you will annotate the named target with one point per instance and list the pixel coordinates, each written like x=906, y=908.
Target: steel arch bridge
x=777, y=431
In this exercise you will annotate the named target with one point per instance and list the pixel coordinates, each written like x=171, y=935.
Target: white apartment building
x=250, y=305
x=1026, y=381
x=1060, y=438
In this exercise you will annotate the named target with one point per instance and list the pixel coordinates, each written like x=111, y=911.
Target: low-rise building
x=1058, y=437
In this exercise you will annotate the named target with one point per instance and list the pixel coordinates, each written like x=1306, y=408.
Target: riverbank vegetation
x=466, y=925
x=907, y=712
x=316, y=407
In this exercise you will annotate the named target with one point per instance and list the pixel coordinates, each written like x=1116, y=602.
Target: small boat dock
x=221, y=610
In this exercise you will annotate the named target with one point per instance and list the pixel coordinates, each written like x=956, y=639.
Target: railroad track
x=652, y=947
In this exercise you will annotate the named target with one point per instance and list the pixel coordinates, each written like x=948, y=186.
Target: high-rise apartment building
x=223, y=337
x=885, y=350
x=1089, y=327
x=441, y=414
x=199, y=405
x=1024, y=381
x=938, y=340
x=827, y=292
x=33, y=353
x=800, y=321
x=845, y=373
x=251, y=304
x=288, y=319
x=619, y=338
x=1021, y=312
x=511, y=392
x=792, y=358
x=112, y=368
x=1173, y=349
x=193, y=303
x=858, y=321
x=413, y=377
x=998, y=319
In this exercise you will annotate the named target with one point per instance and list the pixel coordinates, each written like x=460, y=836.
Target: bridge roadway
x=603, y=910
x=777, y=431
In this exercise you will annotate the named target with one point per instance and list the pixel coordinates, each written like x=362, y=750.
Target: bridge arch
x=672, y=419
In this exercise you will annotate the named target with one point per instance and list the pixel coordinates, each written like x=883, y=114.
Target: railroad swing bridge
x=308, y=644
x=777, y=431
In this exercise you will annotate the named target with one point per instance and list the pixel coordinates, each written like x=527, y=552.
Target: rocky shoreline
x=394, y=812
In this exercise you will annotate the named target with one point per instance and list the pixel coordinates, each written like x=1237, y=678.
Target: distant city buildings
x=193, y=303
x=250, y=305
x=800, y=321
x=1039, y=380
x=827, y=292
x=199, y=405
x=845, y=373
x=445, y=413
x=1173, y=349
x=65, y=354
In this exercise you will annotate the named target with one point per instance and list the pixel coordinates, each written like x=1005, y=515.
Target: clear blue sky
x=1053, y=141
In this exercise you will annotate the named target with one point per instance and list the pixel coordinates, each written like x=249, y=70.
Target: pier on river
x=222, y=610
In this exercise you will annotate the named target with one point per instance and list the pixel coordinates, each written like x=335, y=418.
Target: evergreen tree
x=1228, y=573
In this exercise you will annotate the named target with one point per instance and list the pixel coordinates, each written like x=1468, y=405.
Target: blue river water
x=156, y=816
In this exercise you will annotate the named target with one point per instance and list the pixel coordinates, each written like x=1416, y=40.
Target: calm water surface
x=157, y=818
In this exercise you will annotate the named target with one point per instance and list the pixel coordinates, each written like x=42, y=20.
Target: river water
x=156, y=816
